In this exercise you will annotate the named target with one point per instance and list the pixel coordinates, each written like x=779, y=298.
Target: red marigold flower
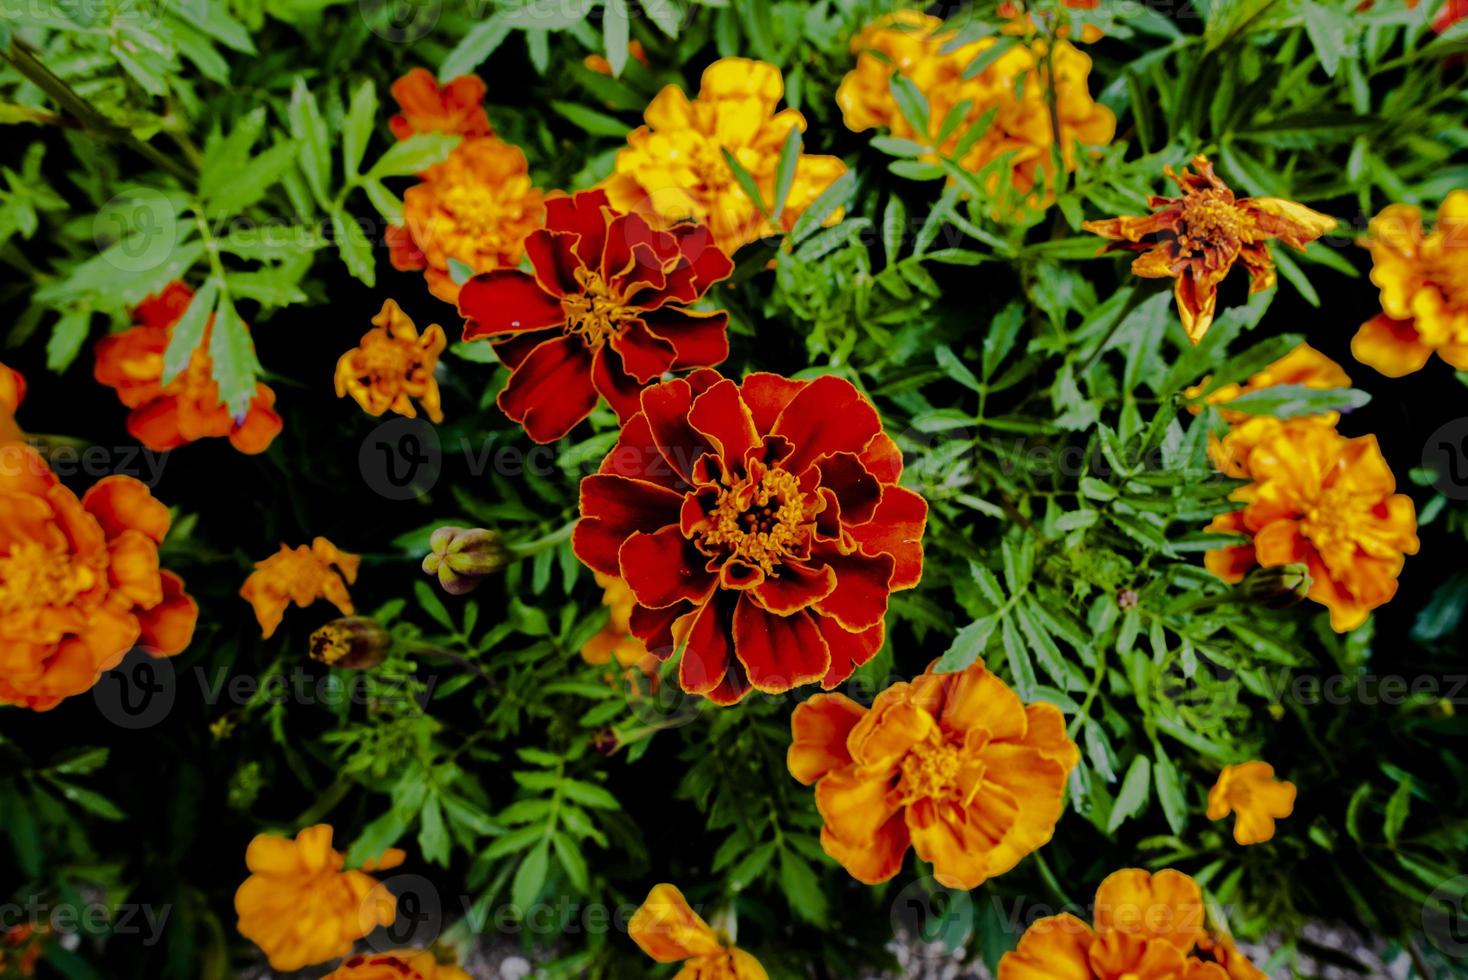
x=457, y=107
x=603, y=314
x=759, y=526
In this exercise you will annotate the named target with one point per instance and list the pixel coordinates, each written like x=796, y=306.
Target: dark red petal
x=767, y=395
x=666, y=406
x=552, y=261
x=794, y=587
x=654, y=627
x=506, y=301
x=514, y=348
x=624, y=235
x=619, y=388
x=778, y=652
x=733, y=687
x=857, y=491
x=636, y=457
x=645, y=356
x=643, y=281
x=827, y=416
x=707, y=652
x=859, y=600
x=698, y=339
x=581, y=215
x=612, y=509
x=663, y=568
x=721, y=415
x=703, y=264
x=551, y=390
x=896, y=529
x=882, y=458
x=848, y=650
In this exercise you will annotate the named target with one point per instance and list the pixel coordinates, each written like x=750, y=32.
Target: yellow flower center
x=762, y=524
x=477, y=214
x=33, y=577
x=1210, y=218
x=930, y=771
x=594, y=313
x=387, y=360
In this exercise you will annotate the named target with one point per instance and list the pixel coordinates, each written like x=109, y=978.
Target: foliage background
x=986, y=344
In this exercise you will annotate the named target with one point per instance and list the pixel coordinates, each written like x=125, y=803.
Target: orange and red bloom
x=402, y=964
x=953, y=765
x=393, y=365
x=80, y=583
x=759, y=526
x=669, y=931
x=12, y=393
x=604, y=313
x=168, y=415
x=1146, y=927
x=1423, y=278
x=1250, y=791
x=300, y=575
x=1195, y=239
x=427, y=107
x=301, y=907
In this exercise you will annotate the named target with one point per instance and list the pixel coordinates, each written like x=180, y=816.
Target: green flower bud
x=462, y=556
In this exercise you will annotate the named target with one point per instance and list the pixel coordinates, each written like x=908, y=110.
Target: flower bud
x=462, y=556
x=352, y=643
x=1278, y=586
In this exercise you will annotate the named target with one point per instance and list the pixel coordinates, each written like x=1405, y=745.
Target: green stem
x=531, y=548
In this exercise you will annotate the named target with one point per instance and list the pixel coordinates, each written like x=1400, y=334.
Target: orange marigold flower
x=402, y=964
x=1423, y=280
x=1012, y=88
x=457, y=107
x=80, y=583
x=673, y=168
x=21, y=947
x=475, y=208
x=1195, y=239
x=165, y=416
x=670, y=931
x=615, y=640
x=299, y=905
x=12, y=393
x=1328, y=502
x=953, y=764
x=1258, y=799
x=300, y=575
x=393, y=365
x=1145, y=927
x=602, y=66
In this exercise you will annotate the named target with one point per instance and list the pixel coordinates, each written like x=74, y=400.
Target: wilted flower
x=954, y=765
x=393, y=365
x=674, y=169
x=300, y=575
x=462, y=556
x=1258, y=799
x=1423, y=280
x=299, y=905
x=670, y=931
x=604, y=313
x=1195, y=239
x=351, y=643
x=457, y=107
x=402, y=964
x=165, y=416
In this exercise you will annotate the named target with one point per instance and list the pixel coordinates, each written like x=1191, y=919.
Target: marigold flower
x=300, y=575
x=402, y=964
x=1012, y=87
x=80, y=583
x=673, y=168
x=21, y=947
x=12, y=393
x=475, y=208
x=457, y=107
x=350, y=643
x=953, y=764
x=759, y=526
x=1195, y=239
x=670, y=931
x=1258, y=799
x=393, y=365
x=1146, y=927
x=1423, y=280
x=615, y=641
x=299, y=905
x=603, y=314
x=165, y=416
x=1328, y=502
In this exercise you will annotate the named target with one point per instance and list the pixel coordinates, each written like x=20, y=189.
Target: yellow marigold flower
x=615, y=640
x=1423, y=280
x=1329, y=503
x=299, y=905
x=1195, y=239
x=300, y=575
x=674, y=169
x=1145, y=927
x=1012, y=87
x=670, y=931
x=954, y=765
x=393, y=365
x=1258, y=799
x=476, y=207
x=402, y=964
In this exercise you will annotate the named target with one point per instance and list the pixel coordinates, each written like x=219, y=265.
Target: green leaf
x=955, y=368
x=1327, y=26
x=66, y=339
x=1170, y=793
x=89, y=800
x=1134, y=793
x=751, y=867
x=252, y=178
x=188, y=332
x=353, y=246
x=1021, y=669
x=802, y=888
x=967, y=646
x=475, y=47
x=414, y=155
x=785, y=169
x=589, y=794
x=595, y=123
x=433, y=836
x=1397, y=808
x=314, y=142
x=377, y=837
x=530, y=876
x=233, y=352
x=568, y=853
x=911, y=103
x=746, y=182
x=1288, y=401
x=664, y=13
x=831, y=200
x=615, y=34
x=358, y=125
